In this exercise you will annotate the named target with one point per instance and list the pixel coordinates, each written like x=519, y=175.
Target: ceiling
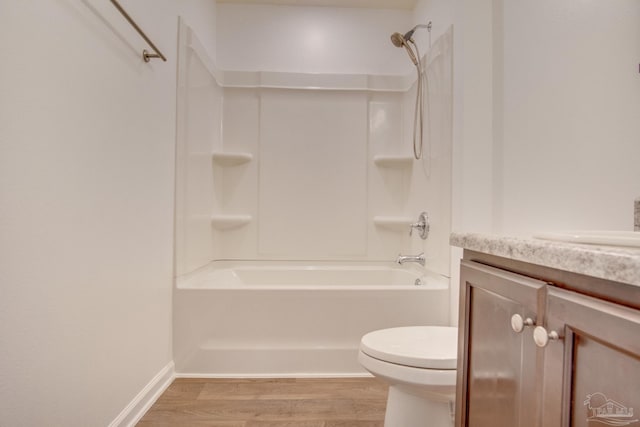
x=368, y=4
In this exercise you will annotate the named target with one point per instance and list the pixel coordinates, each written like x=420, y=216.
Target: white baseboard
x=140, y=404
x=275, y=375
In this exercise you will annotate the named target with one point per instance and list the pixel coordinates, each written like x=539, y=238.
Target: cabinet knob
x=541, y=337
x=518, y=323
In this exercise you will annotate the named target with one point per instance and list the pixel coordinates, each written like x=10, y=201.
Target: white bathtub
x=277, y=319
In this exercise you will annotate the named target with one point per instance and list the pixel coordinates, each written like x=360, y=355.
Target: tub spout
x=411, y=258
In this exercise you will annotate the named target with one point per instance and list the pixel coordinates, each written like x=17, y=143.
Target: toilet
x=419, y=364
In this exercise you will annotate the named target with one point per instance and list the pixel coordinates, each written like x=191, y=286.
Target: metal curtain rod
x=145, y=53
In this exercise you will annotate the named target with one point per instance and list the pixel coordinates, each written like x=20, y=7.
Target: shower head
x=399, y=40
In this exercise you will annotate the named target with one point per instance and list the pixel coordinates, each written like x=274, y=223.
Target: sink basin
x=594, y=237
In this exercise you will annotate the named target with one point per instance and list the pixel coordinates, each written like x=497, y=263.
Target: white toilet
x=419, y=364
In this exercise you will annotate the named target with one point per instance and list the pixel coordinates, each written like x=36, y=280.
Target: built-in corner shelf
x=395, y=223
x=231, y=158
x=397, y=162
x=229, y=222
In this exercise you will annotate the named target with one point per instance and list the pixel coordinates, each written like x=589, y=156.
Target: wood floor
x=323, y=402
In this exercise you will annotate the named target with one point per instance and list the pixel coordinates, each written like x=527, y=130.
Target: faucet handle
x=422, y=225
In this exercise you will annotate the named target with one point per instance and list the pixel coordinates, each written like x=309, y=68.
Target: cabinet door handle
x=541, y=337
x=518, y=323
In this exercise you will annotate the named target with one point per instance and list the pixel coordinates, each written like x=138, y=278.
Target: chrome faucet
x=411, y=258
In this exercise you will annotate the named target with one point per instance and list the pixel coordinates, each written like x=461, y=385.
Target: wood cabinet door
x=497, y=383
x=592, y=371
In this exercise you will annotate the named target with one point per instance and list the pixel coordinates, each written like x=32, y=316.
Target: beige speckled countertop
x=606, y=262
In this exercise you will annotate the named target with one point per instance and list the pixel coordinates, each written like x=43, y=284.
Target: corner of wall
x=141, y=403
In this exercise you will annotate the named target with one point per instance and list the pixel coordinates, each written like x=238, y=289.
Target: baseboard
x=279, y=361
x=140, y=404
x=275, y=375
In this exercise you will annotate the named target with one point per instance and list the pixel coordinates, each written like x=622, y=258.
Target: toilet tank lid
x=429, y=347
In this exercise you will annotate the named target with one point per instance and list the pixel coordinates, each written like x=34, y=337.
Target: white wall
x=86, y=194
x=571, y=115
x=548, y=129
x=310, y=39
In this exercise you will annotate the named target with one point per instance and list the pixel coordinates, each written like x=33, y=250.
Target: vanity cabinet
x=543, y=348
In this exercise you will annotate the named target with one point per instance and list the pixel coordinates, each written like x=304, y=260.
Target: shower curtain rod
x=145, y=53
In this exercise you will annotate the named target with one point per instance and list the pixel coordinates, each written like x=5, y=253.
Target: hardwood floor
x=322, y=402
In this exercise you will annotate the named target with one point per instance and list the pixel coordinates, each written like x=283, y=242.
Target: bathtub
x=295, y=319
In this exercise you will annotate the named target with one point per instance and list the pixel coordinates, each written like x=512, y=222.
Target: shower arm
x=409, y=33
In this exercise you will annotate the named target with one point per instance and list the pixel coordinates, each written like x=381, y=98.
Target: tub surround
x=343, y=137
x=605, y=262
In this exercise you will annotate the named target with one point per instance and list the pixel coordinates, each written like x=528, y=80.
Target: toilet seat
x=427, y=347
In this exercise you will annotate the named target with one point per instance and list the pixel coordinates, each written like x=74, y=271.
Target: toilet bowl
x=419, y=364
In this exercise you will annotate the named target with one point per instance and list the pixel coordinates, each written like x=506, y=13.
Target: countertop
x=606, y=262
